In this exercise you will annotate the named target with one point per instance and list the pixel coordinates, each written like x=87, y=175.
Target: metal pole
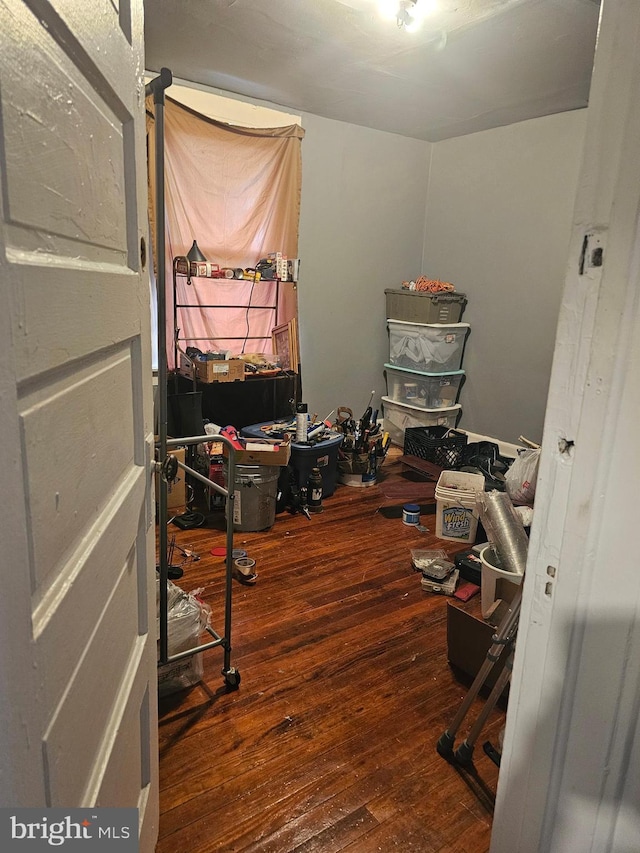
x=157, y=87
x=175, y=319
x=230, y=494
x=231, y=485
x=232, y=677
x=464, y=753
x=503, y=637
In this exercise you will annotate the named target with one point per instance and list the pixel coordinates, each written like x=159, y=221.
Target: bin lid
x=444, y=295
x=424, y=372
x=420, y=409
x=333, y=440
x=443, y=326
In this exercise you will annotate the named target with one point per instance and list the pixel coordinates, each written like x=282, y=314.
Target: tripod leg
x=502, y=636
x=464, y=753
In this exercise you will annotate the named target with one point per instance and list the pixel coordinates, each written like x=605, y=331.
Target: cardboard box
x=252, y=455
x=212, y=371
x=468, y=641
x=176, y=492
x=179, y=675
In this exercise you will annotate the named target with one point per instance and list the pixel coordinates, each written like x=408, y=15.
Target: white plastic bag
x=520, y=479
x=188, y=616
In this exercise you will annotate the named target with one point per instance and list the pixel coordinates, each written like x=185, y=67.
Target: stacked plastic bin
x=424, y=372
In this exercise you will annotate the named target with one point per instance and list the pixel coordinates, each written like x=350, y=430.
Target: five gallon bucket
x=456, y=511
x=254, y=491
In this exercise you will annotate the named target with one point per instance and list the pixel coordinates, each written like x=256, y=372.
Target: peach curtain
x=236, y=191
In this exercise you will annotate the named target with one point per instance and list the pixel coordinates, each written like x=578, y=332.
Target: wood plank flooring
x=329, y=742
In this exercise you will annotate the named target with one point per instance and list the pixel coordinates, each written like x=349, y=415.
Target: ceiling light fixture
x=408, y=14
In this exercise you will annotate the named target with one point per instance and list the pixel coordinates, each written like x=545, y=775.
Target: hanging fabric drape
x=235, y=190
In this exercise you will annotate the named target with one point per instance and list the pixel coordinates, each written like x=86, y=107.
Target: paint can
x=411, y=514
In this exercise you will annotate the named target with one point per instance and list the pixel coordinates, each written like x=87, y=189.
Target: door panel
x=110, y=309
x=77, y=646
x=84, y=463
x=75, y=185
x=118, y=784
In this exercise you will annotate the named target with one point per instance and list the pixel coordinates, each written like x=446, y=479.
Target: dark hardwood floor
x=329, y=742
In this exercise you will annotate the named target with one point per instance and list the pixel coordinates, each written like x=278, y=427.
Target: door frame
x=565, y=772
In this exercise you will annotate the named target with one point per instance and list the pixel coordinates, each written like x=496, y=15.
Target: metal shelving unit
x=191, y=270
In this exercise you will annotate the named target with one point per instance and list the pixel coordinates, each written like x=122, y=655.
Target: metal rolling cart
x=166, y=465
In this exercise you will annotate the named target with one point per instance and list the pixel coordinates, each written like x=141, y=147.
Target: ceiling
x=474, y=65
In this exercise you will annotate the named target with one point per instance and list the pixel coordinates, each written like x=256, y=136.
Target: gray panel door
x=77, y=614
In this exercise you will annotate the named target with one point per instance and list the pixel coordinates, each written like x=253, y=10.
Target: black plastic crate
x=438, y=444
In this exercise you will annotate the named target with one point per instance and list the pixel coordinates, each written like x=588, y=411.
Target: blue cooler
x=322, y=455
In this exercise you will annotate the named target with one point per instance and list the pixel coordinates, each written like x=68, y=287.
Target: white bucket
x=456, y=512
x=456, y=521
x=460, y=481
x=490, y=575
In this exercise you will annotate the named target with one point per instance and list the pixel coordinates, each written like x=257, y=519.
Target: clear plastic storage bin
x=429, y=348
x=428, y=390
x=398, y=416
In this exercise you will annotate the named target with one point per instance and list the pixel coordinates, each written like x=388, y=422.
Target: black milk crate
x=438, y=444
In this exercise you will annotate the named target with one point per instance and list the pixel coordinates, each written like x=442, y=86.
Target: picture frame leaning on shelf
x=284, y=341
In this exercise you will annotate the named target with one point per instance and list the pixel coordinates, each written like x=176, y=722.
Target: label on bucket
x=456, y=522
x=237, y=507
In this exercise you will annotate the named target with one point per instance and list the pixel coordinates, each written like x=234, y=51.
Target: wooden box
x=468, y=641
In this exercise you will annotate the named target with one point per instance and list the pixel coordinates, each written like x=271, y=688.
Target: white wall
x=498, y=225
x=361, y=230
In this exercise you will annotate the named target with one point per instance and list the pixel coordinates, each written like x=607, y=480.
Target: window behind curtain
x=236, y=191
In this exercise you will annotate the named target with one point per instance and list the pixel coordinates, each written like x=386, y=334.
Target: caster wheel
x=231, y=679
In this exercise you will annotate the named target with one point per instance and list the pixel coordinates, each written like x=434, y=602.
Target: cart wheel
x=231, y=679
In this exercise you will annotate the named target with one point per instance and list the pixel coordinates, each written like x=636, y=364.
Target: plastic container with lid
x=430, y=348
x=419, y=306
x=432, y=563
x=456, y=510
x=429, y=390
x=305, y=457
x=397, y=417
